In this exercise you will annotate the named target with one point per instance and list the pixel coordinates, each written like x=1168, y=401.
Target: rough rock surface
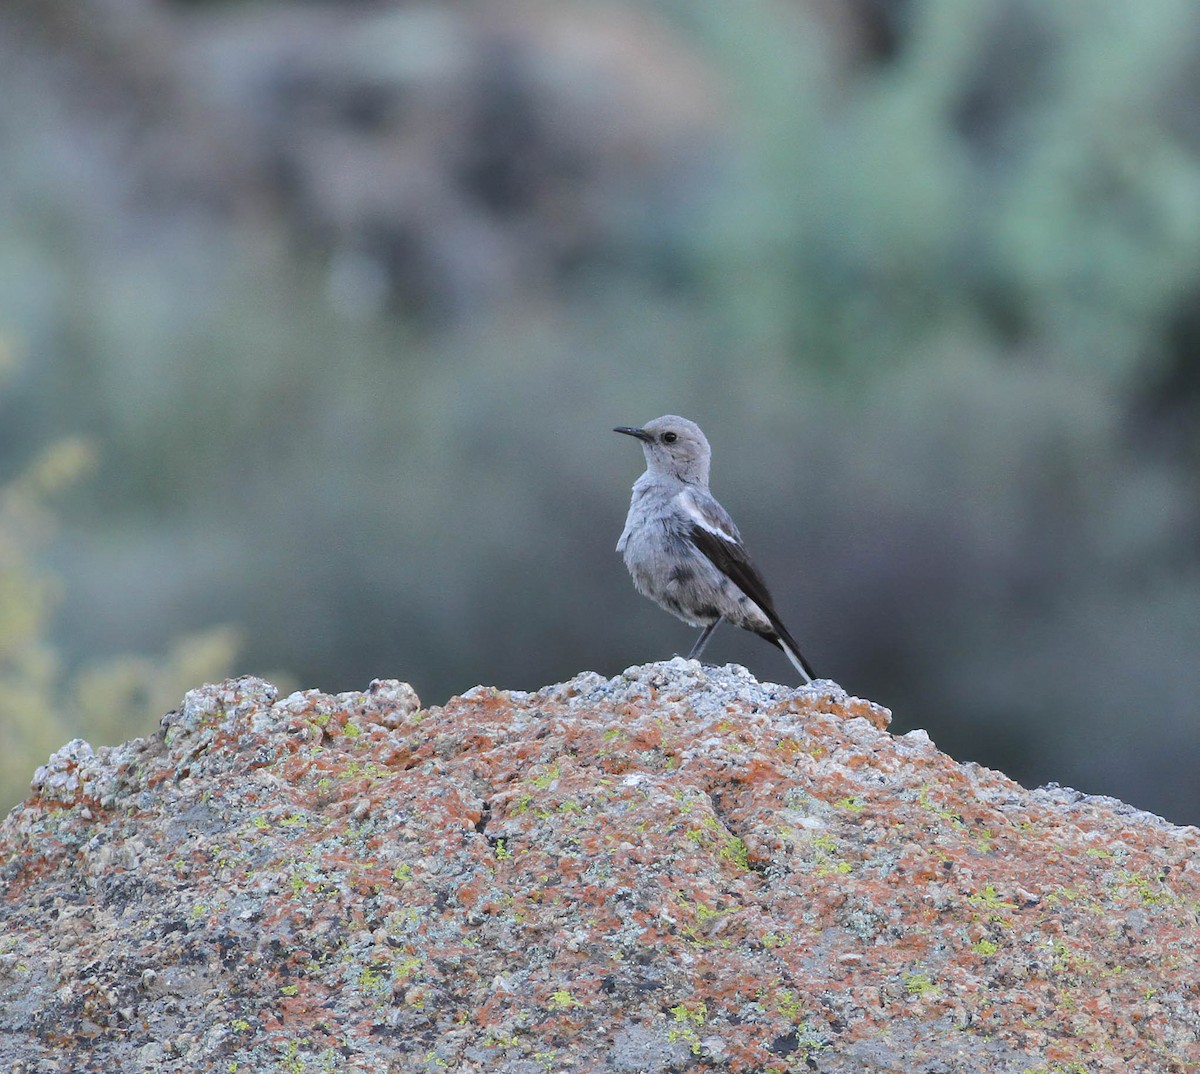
x=675, y=869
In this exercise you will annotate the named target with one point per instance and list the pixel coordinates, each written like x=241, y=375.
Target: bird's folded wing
x=715, y=535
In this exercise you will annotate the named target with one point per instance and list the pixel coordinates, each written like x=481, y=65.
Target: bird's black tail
x=780, y=637
x=729, y=557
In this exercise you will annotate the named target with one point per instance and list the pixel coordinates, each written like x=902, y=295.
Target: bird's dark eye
x=670, y=438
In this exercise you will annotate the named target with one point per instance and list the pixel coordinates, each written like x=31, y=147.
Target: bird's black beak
x=641, y=434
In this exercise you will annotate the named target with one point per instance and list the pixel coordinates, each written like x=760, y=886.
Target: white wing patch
x=696, y=513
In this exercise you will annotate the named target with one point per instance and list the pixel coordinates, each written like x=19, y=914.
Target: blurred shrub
x=1015, y=169
x=41, y=704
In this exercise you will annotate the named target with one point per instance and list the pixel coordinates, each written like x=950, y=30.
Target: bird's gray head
x=674, y=446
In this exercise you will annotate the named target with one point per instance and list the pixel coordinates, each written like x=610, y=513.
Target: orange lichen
x=689, y=858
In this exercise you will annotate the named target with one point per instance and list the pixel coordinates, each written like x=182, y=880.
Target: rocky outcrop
x=675, y=869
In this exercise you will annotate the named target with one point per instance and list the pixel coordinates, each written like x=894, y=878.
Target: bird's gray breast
x=664, y=563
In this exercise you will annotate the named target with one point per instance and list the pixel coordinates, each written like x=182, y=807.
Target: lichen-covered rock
x=675, y=869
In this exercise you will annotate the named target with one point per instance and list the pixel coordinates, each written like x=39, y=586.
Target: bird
x=683, y=550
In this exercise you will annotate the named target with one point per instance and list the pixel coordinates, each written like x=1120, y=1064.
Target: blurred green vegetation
x=42, y=705
x=932, y=293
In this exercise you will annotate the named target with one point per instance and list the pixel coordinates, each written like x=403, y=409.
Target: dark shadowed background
x=315, y=318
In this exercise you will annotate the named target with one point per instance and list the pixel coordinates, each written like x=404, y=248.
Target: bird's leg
x=702, y=641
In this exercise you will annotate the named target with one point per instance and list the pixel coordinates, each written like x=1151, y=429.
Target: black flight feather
x=731, y=560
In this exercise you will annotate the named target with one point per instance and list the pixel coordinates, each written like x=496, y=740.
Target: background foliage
x=347, y=298
x=41, y=703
